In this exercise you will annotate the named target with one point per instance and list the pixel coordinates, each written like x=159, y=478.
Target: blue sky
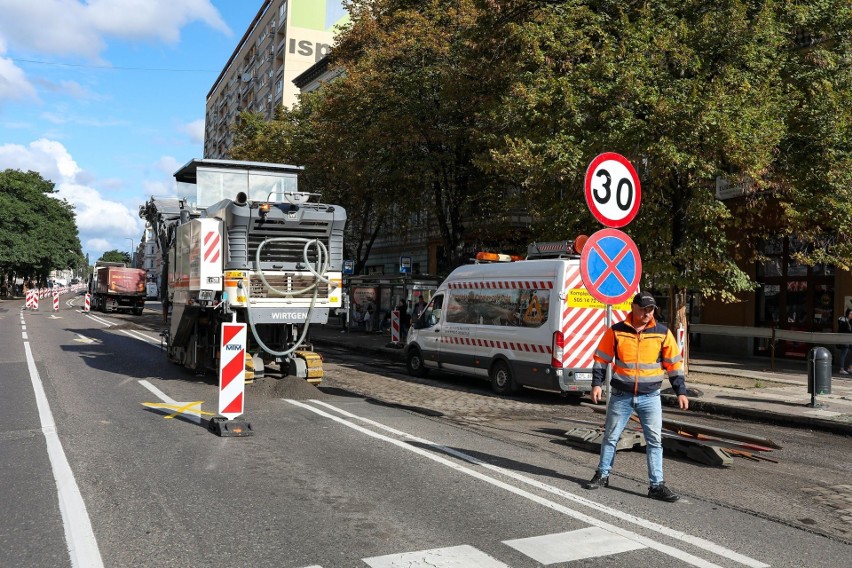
x=106, y=99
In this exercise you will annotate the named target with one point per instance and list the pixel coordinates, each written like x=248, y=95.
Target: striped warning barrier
x=28, y=303
x=395, y=326
x=35, y=301
x=87, y=303
x=232, y=369
x=55, y=300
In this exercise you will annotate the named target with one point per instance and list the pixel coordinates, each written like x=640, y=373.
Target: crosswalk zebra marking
x=463, y=556
x=589, y=542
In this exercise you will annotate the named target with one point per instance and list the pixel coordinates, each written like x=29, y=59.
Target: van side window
x=519, y=307
x=432, y=314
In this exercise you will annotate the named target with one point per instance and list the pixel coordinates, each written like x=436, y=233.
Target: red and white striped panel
x=503, y=345
x=88, y=303
x=211, y=246
x=394, y=326
x=582, y=328
x=232, y=369
x=55, y=301
x=503, y=285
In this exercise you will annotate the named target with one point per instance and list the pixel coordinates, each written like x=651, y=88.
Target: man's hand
x=683, y=402
x=596, y=394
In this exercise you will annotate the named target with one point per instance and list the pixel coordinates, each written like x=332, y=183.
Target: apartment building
x=285, y=38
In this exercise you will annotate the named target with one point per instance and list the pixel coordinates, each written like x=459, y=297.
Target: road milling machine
x=241, y=243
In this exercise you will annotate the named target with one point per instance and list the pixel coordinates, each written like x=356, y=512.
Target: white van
x=526, y=323
x=152, y=291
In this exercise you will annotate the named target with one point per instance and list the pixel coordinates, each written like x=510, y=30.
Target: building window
x=792, y=295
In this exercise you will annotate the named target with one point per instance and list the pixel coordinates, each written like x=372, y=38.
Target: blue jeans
x=844, y=350
x=650, y=411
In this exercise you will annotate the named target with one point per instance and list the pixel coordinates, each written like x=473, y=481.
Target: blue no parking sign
x=610, y=266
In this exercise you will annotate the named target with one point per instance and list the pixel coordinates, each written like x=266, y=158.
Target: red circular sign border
x=606, y=221
x=584, y=258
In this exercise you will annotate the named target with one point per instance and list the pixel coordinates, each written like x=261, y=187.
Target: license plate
x=582, y=376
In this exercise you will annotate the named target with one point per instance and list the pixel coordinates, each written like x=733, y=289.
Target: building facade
x=285, y=38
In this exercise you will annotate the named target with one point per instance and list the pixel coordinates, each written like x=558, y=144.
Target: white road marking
x=452, y=557
x=139, y=335
x=698, y=542
x=24, y=335
x=590, y=542
x=99, y=319
x=83, y=339
x=79, y=536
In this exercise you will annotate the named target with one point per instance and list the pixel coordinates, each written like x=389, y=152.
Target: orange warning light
x=579, y=243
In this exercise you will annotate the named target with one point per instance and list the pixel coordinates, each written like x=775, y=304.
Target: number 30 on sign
x=613, y=191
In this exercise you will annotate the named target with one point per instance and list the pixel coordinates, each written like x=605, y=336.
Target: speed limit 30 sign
x=613, y=191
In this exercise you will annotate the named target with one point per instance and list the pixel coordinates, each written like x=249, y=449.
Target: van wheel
x=501, y=379
x=414, y=364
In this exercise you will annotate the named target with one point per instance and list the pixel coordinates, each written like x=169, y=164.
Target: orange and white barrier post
x=395, y=326
x=87, y=303
x=55, y=300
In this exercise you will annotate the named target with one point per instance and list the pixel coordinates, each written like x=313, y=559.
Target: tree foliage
x=486, y=106
x=116, y=255
x=38, y=233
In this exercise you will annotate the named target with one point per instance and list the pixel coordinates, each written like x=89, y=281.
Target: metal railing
x=773, y=334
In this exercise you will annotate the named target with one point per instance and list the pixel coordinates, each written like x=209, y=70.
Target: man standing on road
x=642, y=353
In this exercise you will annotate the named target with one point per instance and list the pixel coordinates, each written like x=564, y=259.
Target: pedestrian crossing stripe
x=452, y=557
x=589, y=542
x=581, y=544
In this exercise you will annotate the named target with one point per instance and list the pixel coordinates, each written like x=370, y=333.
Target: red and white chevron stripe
x=502, y=285
x=582, y=328
x=211, y=246
x=504, y=345
x=232, y=369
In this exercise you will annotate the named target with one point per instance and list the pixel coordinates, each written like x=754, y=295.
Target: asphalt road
x=332, y=478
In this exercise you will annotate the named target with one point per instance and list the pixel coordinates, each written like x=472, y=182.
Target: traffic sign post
x=232, y=382
x=610, y=266
x=610, y=262
x=613, y=191
x=611, y=269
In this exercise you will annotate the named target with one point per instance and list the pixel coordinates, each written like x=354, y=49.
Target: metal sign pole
x=608, y=367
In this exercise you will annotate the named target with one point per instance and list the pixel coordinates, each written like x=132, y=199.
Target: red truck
x=115, y=287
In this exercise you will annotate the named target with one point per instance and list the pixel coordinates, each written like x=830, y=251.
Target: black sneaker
x=662, y=493
x=597, y=481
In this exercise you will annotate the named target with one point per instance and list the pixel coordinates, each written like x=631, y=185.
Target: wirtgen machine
x=241, y=243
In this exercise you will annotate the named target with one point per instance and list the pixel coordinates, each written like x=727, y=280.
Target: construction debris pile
x=702, y=444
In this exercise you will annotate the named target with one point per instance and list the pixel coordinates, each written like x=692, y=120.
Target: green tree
x=115, y=255
x=689, y=92
x=38, y=233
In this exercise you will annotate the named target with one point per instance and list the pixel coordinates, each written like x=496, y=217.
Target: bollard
x=87, y=304
x=819, y=373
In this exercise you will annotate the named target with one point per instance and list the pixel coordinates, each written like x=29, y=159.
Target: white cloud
x=195, y=130
x=98, y=219
x=13, y=83
x=72, y=27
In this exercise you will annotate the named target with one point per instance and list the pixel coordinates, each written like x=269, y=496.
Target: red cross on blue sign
x=610, y=266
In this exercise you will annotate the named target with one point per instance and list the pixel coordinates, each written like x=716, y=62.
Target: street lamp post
x=131, y=250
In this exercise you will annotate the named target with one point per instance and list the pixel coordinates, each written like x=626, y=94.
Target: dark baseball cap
x=644, y=300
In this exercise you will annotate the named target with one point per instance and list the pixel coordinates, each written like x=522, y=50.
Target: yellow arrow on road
x=179, y=408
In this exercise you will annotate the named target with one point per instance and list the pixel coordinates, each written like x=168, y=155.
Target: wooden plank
x=678, y=425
